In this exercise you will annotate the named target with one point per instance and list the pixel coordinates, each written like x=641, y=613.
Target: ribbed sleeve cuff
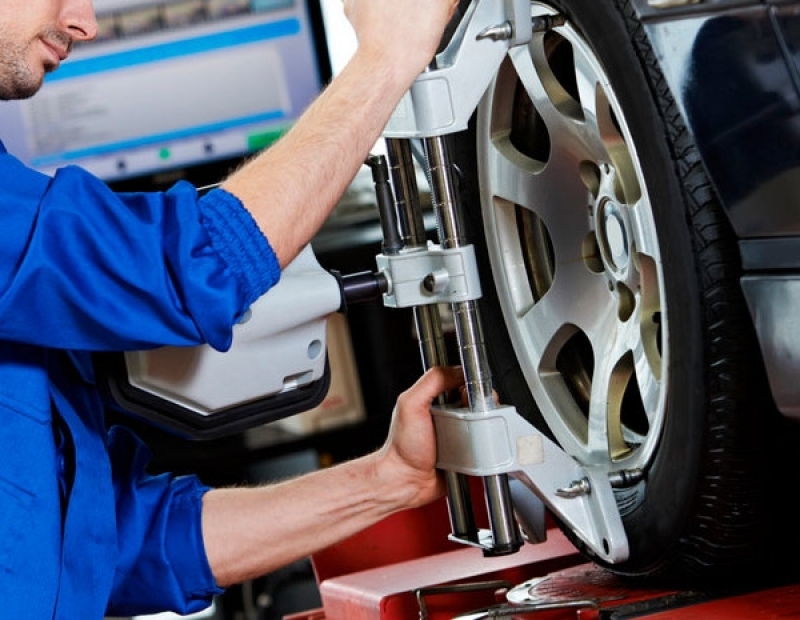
x=236, y=236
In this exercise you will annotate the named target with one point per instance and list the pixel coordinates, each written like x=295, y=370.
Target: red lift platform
x=405, y=569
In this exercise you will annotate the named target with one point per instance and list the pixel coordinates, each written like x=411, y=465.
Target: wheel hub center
x=614, y=239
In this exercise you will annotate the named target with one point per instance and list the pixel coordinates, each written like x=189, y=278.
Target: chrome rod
x=406, y=192
x=474, y=359
x=428, y=321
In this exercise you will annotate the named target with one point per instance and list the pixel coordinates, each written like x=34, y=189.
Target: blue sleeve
x=82, y=267
x=162, y=562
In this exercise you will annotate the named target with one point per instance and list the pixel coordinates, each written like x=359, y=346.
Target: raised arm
x=292, y=187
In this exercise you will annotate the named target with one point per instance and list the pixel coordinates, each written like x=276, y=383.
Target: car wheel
x=612, y=308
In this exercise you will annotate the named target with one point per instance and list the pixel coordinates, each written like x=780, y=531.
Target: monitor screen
x=173, y=89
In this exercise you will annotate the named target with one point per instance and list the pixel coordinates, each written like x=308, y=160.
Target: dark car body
x=733, y=67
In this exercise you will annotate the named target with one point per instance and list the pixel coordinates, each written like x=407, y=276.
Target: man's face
x=35, y=36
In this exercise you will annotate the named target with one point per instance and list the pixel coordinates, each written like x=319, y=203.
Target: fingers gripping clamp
x=432, y=275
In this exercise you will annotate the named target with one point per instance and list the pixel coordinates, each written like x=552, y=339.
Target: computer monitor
x=173, y=89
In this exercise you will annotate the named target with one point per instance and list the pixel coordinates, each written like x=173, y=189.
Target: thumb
x=438, y=380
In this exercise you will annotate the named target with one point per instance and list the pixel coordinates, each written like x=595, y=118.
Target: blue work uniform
x=84, y=530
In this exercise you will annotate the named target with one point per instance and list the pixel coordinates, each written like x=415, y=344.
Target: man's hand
x=410, y=30
x=408, y=458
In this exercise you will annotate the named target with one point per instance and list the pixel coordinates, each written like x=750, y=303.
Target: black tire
x=706, y=506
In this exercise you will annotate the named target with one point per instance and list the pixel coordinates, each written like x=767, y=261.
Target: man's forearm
x=250, y=532
x=292, y=188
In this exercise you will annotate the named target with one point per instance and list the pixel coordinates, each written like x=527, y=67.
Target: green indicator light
x=164, y=153
x=262, y=139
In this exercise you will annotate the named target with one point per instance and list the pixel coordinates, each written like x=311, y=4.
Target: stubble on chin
x=19, y=77
x=18, y=81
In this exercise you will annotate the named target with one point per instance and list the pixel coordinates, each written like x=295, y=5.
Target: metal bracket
x=442, y=100
x=502, y=441
x=433, y=275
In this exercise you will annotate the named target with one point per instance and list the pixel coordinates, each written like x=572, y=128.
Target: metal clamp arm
x=501, y=441
x=430, y=276
x=442, y=100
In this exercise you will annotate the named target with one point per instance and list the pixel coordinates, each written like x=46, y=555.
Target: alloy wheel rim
x=574, y=251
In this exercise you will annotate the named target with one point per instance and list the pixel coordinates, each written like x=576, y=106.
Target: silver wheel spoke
x=610, y=339
x=543, y=189
x=643, y=228
x=577, y=301
x=593, y=135
x=649, y=383
x=546, y=104
x=513, y=174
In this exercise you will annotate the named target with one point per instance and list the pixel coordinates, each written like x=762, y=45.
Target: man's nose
x=79, y=19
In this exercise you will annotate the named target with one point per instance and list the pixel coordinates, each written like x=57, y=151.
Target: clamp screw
x=626, y=478
x=576, y=488
x=436, y=281
x=545, y=23
x=502, y=32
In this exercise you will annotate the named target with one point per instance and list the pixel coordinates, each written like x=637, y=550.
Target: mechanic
x=84, y=530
